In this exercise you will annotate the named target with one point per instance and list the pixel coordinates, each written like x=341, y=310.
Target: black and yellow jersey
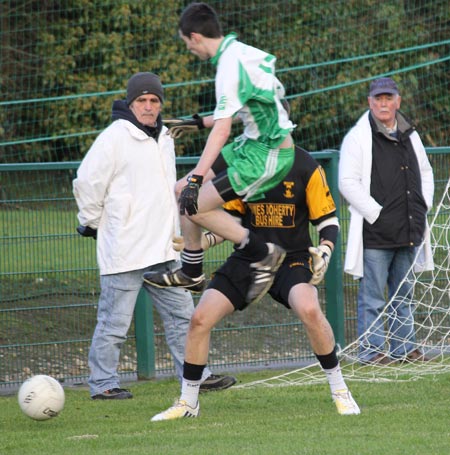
x=284, y=214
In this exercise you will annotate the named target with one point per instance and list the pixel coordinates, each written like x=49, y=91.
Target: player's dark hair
x=200, y=18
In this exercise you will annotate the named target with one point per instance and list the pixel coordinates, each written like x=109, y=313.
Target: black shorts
x=221, y=181
x=233, y=279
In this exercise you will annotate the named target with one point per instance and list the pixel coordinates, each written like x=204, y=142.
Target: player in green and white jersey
x=254, y=162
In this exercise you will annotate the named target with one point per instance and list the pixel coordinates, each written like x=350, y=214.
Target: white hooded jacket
x=355, y=168
x=125, y=189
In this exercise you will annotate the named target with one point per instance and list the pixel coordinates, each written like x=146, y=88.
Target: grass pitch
x=396, y=418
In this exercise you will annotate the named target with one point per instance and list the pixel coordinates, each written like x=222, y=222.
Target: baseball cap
x=383, y=85
x=143, y=84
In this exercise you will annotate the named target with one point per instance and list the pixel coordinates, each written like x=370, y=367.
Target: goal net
x=431, y=298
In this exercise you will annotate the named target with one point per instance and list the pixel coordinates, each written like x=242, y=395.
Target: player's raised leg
x=266, y=257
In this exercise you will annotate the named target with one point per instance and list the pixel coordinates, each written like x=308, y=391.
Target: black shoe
x=176, y=278
x=379, y=359
x=416, y=356
x=215, y=382
x=113, y=394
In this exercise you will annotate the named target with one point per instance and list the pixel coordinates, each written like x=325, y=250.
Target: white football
x=41, y=397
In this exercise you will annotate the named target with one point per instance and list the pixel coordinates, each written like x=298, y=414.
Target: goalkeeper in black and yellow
x=282, y=216
x=248, y=91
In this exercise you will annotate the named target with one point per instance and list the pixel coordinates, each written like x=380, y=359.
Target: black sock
x=192, y=372
x=328, y=361
x=192, y=262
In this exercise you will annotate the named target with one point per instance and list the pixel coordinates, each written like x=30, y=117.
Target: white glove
x=208, y=240
x=177, y=126
x=320, y=256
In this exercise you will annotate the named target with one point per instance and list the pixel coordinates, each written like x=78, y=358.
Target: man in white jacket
x=125, y=194
x=386, y=177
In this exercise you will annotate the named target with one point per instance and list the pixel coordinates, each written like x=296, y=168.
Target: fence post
x=145, y=343
x=334, y=291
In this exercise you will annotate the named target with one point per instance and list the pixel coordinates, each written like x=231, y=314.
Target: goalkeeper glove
x=189, y=195
x=177, y=127
x=320, y=259
x=87, y=231
x=208, y=240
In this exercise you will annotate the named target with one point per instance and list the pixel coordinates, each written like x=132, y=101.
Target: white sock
x=335, y=379
x=190, y=391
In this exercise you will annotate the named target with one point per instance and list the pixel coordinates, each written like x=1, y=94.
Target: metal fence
x=49, y=289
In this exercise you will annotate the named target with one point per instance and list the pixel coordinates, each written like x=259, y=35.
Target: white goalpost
x=431, y=299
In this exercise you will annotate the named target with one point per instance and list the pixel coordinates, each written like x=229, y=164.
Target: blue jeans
x=114, y=315
x=387, y=267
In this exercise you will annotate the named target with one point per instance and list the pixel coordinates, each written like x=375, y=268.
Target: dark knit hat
x=383, y=85
x=143, y=84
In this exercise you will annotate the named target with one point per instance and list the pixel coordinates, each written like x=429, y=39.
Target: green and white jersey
x=246, y=86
